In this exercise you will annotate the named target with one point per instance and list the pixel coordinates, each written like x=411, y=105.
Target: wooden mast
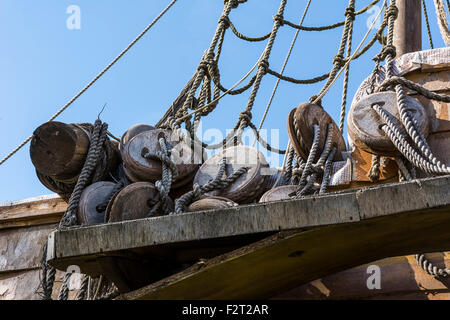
x=408, y=27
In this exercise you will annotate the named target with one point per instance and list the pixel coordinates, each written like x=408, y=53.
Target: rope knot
x=350, y=13
x=279, y=18
x=388, y=50
x=225, y=20
x=245, y=117
x=264, y=65
x=392, y=11
x=339, y=60
x=203, y=65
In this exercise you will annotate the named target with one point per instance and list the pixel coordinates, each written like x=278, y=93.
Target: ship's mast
x=408, y=27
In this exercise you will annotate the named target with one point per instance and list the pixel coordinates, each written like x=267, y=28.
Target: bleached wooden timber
x=321, y=235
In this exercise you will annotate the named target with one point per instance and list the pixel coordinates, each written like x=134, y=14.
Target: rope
x=339, y=61
x=218, y=183
x=442, y=20
x=90, y=168
x=430, y=39
x=98, y=76
x=243, y=37
x=412, y=86
x=294, y=40
x=48, y=276
x=64, y=291
x=82, y=293
x=346, y=78
x=169, y=175
x=430, y=268
x=374, y=172
x=332, y=26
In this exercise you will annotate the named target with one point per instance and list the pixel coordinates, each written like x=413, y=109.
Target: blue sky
x=43, y=64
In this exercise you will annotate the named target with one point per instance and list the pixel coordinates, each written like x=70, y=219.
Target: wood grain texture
x=33, y=211
x=344, y=230
x=400, y=278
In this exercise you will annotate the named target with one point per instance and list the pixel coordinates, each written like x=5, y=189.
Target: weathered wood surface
x=33, y=211
x=352, y=228
x=408, y=27
x=24, y=228
x=400, y=278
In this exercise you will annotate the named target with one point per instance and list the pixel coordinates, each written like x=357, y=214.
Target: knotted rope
x=218, y=183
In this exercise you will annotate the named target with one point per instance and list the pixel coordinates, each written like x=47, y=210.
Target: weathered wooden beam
x=356, y=227
x=40, y=210
x=288, y=259
x=408, y=27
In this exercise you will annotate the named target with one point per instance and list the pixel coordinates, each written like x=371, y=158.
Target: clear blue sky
x=43, y=64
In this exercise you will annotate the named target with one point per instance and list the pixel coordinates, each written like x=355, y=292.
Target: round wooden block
x=134, y=202
x=279, y=193
x=139, y=168
x=92, y=197
x=211, y=203
x=248, y=186
x=364, y=122
x=134, y=131
x=300, y=126
x=59, y=150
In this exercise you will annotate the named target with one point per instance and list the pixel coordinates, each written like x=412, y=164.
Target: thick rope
x=98, y=139
x=98, y=76
x=169, y=175
x=218, y=183
x=442, y=20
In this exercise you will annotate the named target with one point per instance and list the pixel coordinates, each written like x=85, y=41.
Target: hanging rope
x=442, y=20
x=430, y=39
x=98, y=76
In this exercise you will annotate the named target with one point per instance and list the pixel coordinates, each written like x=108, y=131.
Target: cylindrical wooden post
x=408, y=27
x=59, y=149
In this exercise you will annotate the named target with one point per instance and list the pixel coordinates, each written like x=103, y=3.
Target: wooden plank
x=21, y=249
x=284, y=261
x=350, y=224
x=33, y=211
x=400, y=278
x=198, y=226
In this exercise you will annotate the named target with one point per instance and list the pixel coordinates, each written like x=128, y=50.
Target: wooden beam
x=40, y=210
x=408, y=27
x=288, y=259
x=412, y=214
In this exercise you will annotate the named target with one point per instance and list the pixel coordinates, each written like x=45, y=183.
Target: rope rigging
x=203, y=92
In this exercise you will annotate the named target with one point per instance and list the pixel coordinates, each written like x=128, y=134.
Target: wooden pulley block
x=92, y=198
x=135, y=201
x=279, y=193
x=211, y=203
x=134, y=131
x=300, y=125
x=59, y=150
x=248, y=186
x=364, y=123
x=139, y=168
